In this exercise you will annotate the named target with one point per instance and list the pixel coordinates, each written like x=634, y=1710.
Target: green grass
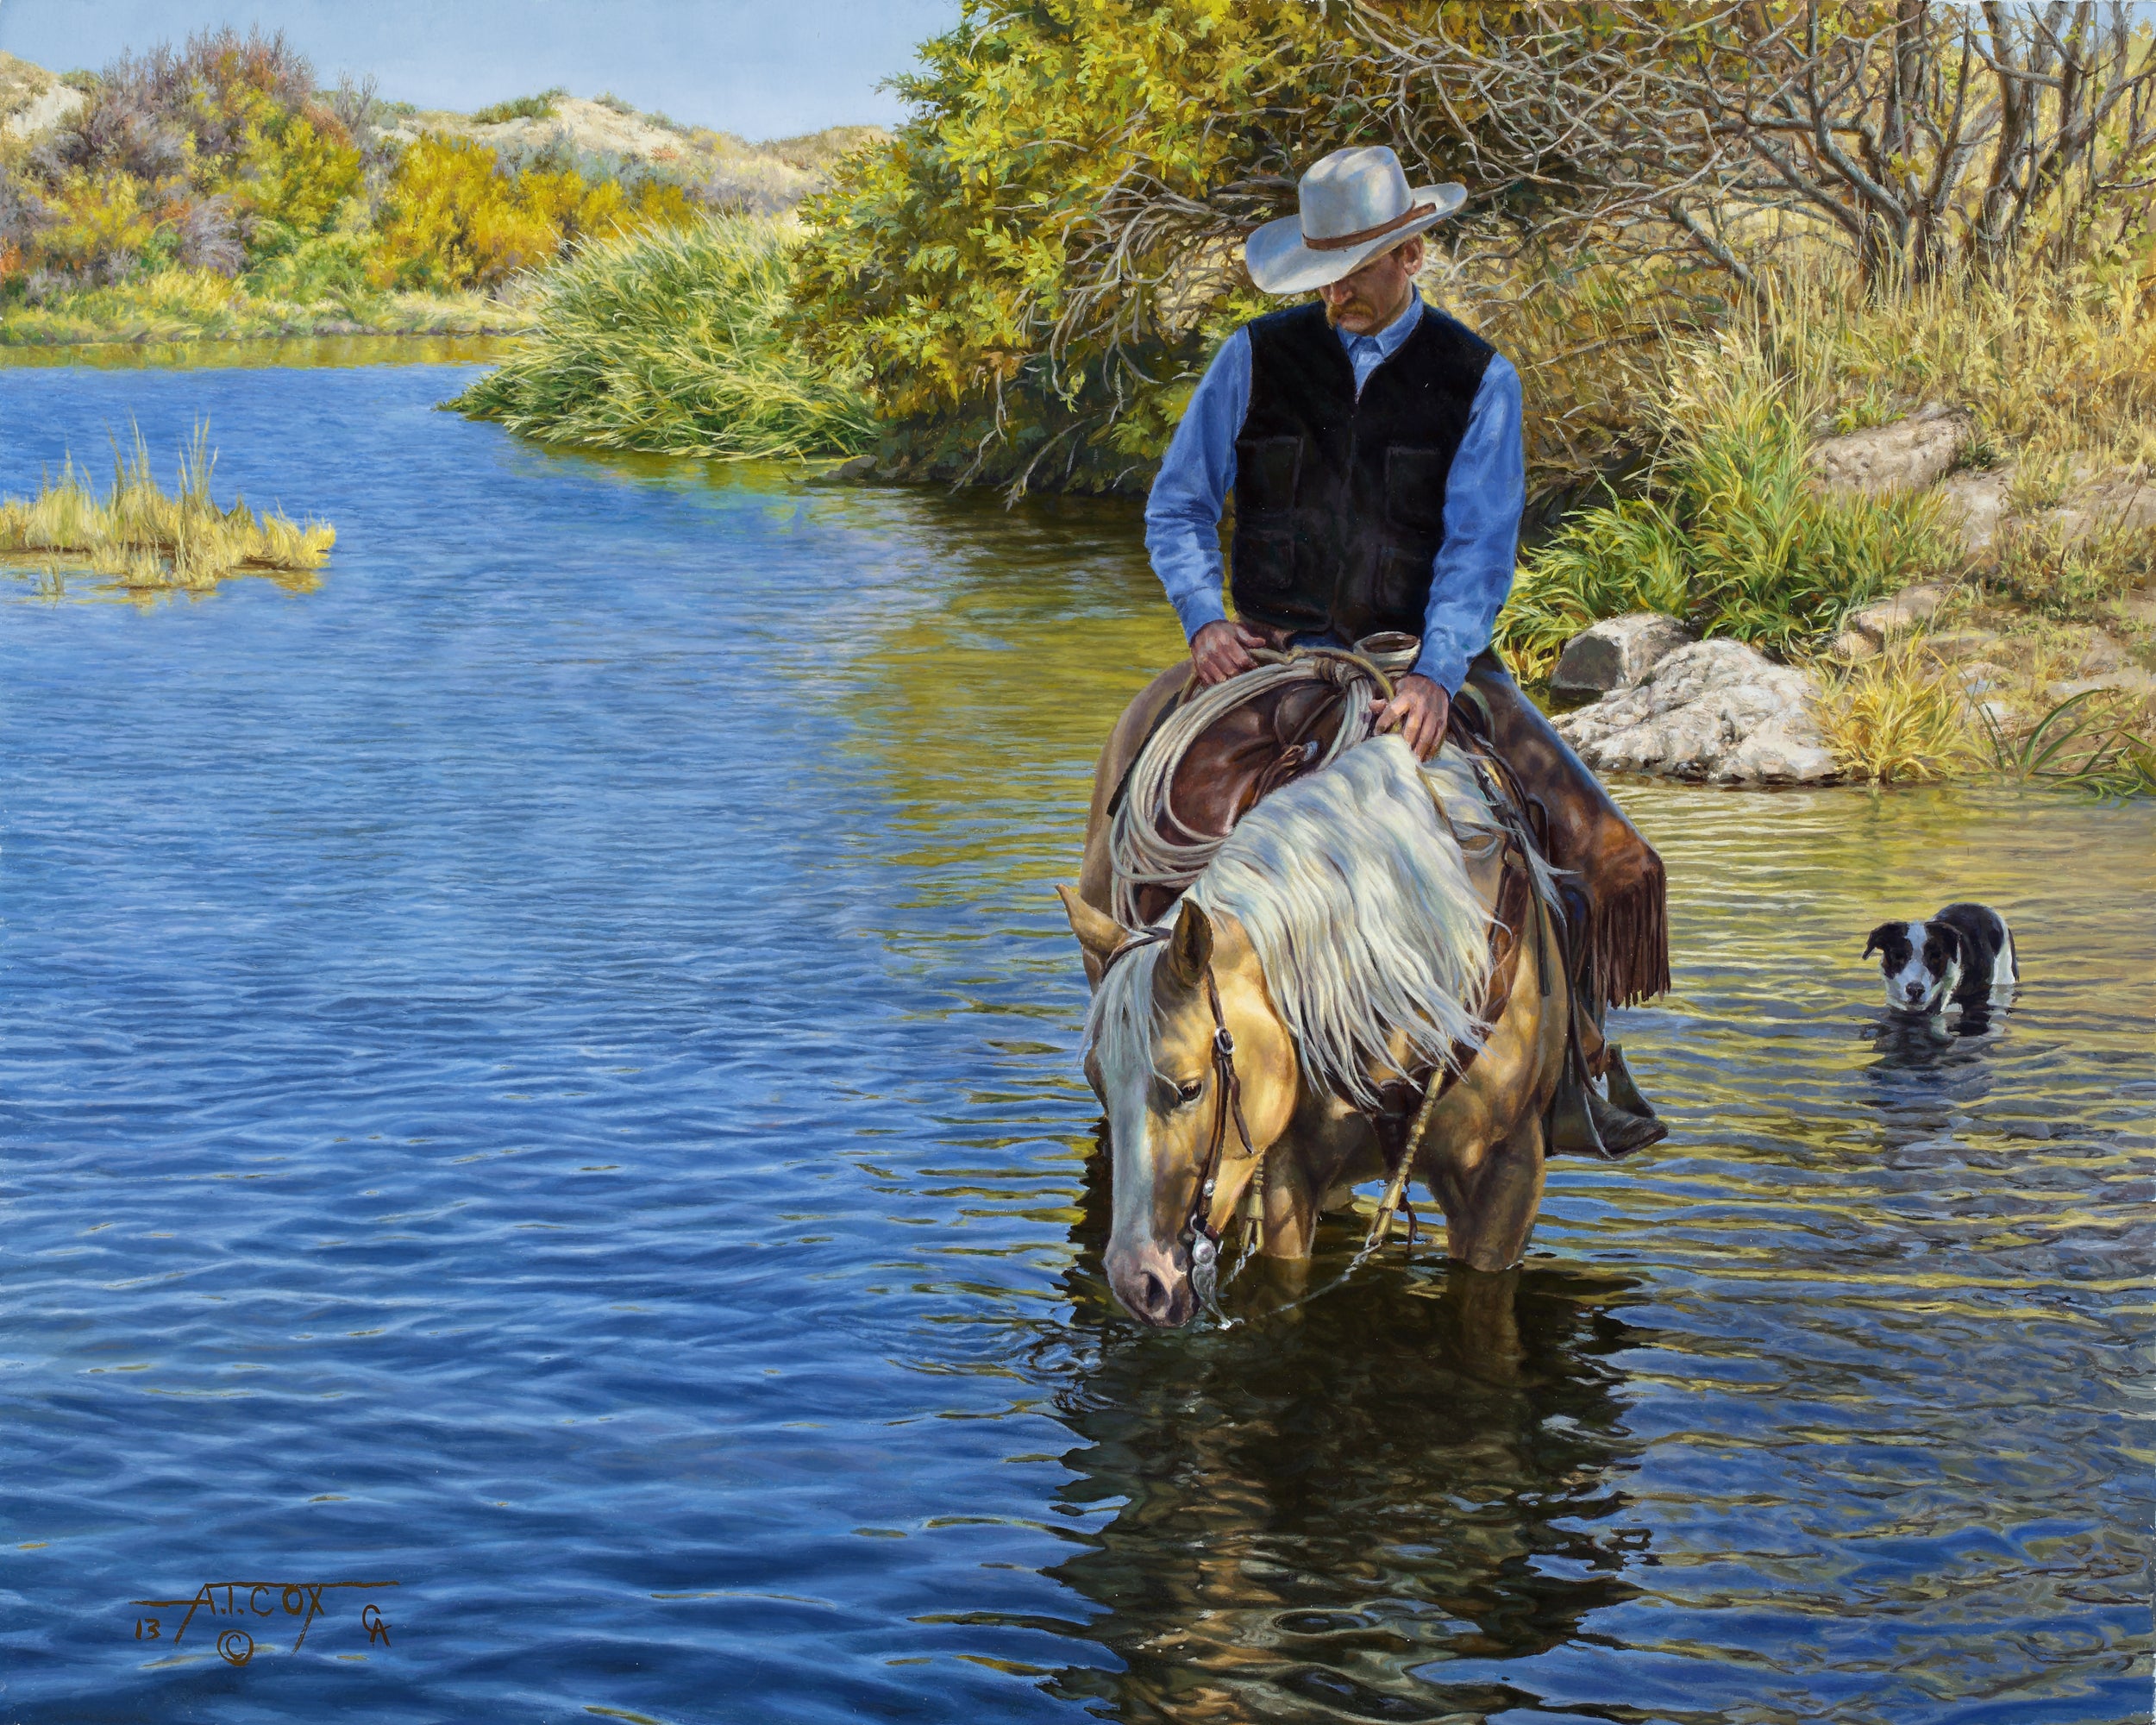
x=544, y=106
x=184, y=305
x=2088, y=742
x=141, y=538
x=673, y=341
x=1730, y=537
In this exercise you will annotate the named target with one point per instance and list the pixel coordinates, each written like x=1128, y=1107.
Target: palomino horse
x=1362, y=931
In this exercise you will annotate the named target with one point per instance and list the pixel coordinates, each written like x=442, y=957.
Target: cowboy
x=1372, y=446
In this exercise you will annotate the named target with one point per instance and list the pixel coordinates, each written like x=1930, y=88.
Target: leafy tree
x=1002, y=260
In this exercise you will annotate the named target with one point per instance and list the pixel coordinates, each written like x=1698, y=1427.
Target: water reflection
x=277, y=353
x=1315, y=1511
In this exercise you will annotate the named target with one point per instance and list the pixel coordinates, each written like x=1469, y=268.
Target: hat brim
x=1280, y=262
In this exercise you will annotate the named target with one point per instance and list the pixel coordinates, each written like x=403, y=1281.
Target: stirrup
x=1584, y=1122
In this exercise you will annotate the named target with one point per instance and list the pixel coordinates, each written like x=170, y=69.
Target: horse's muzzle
x=1152, y=1283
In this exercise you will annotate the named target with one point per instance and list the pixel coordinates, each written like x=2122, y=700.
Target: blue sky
x=762, y=68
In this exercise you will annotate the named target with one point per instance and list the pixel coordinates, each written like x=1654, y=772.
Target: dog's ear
x=1880, y=936
x=1950, y=937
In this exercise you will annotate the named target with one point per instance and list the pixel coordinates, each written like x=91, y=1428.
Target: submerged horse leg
x=1490, y=1195
x=1482, y=1155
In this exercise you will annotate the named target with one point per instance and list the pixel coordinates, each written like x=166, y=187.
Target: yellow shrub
x=452, y=219
x=295, y=173
x=99, y=216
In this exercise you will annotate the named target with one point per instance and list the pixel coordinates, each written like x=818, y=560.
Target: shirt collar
x=1390, y=338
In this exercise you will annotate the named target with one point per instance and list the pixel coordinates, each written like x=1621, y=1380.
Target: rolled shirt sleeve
x=1484, y=494
x=1183, y=513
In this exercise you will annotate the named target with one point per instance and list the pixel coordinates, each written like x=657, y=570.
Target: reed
x=146, y=539
x=674, y=342
x=2087, y=743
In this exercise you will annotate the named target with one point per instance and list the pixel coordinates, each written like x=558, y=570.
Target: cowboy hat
x=1354, y=204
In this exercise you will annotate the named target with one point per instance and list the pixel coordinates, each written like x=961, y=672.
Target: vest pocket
x=1414, y=487
x=1265, y=472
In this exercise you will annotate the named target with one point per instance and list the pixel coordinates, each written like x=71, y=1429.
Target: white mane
x=1355, y=898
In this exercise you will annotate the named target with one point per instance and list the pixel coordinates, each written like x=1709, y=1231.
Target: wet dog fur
x=1959, y=954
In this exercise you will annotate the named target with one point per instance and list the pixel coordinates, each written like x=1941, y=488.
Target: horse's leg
x=1483, y=1154
x=1326, y=1144
x=1490, y=1193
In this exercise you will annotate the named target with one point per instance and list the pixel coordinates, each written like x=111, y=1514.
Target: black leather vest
x=1339, y=503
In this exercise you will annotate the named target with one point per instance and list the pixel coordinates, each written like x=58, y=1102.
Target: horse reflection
x=1420, y=1464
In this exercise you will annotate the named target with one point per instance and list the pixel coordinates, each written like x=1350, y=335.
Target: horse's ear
x=1099, y=933
x=1190, y=948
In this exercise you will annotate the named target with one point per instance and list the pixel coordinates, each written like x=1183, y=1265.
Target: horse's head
x=1150, y=1054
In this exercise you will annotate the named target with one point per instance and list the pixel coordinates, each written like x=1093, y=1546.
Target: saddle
x=1610, y=884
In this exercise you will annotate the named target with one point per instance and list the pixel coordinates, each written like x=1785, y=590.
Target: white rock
x=1716, y=711
x=1906, y=455
x=1882, y=621
x=1976, y=504
x=2130, y=679
x=1616, y=653
x=2119, y=504
x=1960, y=644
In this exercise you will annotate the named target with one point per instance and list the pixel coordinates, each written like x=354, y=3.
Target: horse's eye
x=1189, y=1090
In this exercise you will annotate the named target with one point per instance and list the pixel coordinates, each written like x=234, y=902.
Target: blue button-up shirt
x=1483, y=496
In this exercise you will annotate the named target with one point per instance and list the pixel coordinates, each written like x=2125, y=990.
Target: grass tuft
x=544, y=106
x=145, y=539
x=1902, y=717
x=674, y=342
x=2087, y=743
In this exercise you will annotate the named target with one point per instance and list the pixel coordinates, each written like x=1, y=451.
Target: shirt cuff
x=1444, y=663
x=1198, y=609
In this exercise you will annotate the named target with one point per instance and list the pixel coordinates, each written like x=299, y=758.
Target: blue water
x=542, y=1071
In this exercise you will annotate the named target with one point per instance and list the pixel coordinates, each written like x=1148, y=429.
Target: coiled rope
x=1148, y=843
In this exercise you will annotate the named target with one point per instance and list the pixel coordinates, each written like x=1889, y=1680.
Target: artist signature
x=243, y=1605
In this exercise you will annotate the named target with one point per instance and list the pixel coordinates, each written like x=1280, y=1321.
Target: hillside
x=720, y=170
x=219, y=191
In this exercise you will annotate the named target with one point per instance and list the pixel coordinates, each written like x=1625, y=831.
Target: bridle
x=1198, y=1233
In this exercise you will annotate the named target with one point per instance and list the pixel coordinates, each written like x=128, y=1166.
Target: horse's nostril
x=1157, y=1298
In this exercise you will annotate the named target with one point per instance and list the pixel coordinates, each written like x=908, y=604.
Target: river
x=543, y=1071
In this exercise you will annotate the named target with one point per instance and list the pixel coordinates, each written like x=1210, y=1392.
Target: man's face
x=1365, y=303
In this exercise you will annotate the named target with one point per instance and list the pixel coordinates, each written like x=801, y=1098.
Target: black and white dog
x=1961, y=954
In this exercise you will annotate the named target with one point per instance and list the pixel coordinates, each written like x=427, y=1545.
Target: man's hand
x=1418, y=709
x=1222, y=649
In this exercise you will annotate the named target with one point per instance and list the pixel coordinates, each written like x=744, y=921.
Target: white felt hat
x=1354, y=204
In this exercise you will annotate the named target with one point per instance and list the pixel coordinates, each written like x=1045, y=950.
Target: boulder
x=1981, y=677
x=1950, y=644
x=1906, y=455
x=2121, y=504
x=1976, y=504
x=1881, y=621
x=1616, y=653
x=1716, y=711
x=2102, y=656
